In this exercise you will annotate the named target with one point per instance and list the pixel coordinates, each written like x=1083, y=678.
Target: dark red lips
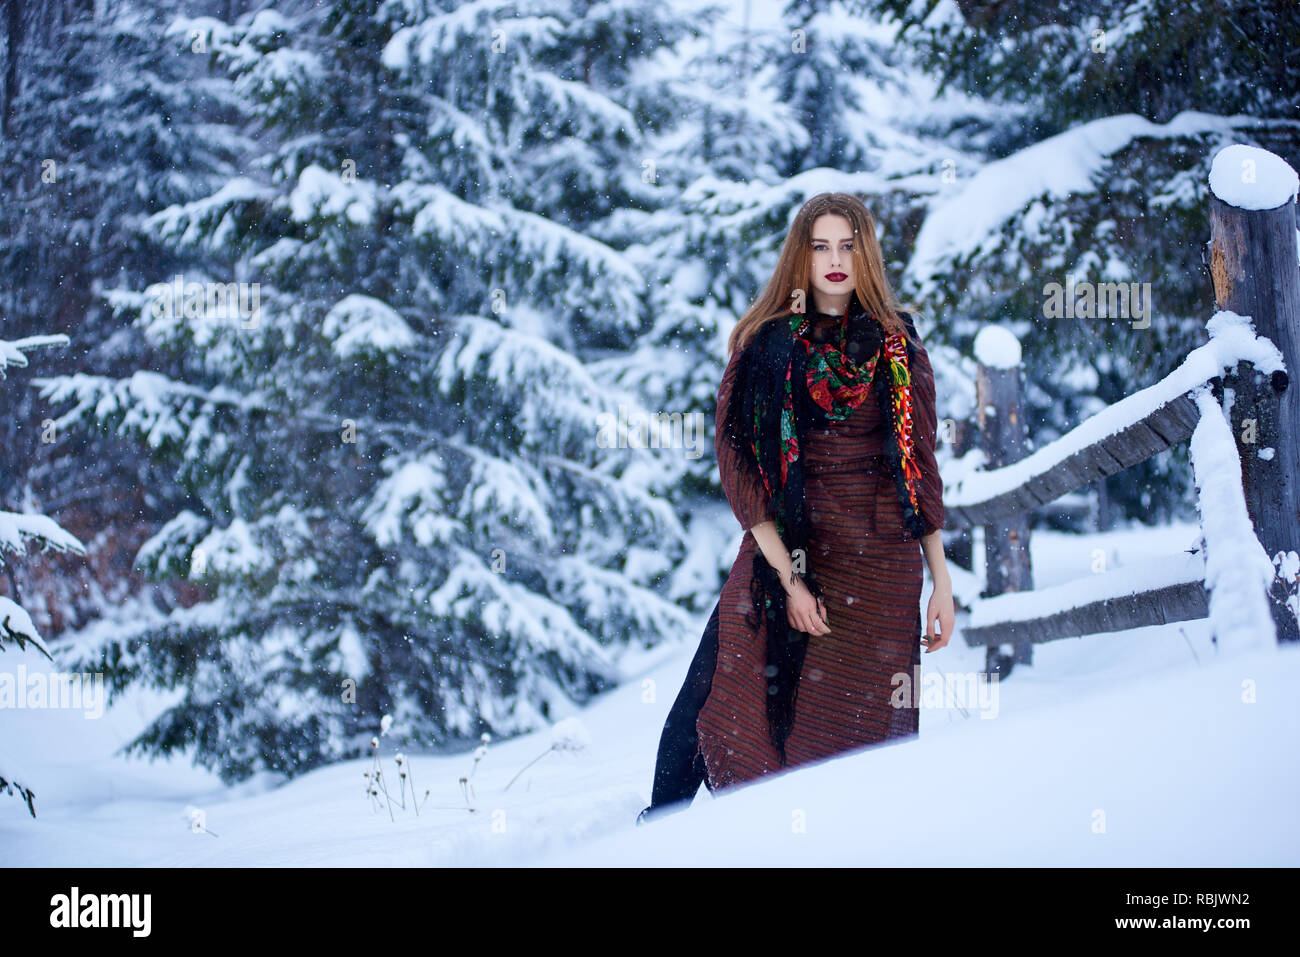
x=836, y=276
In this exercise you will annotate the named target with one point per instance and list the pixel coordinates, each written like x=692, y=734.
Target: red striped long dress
x=871, y=572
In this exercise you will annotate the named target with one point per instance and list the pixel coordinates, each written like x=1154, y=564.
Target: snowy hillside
x=1139, y=749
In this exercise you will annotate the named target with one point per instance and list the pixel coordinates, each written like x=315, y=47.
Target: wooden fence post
x=961, y=436
x=1004, y=439
x=1253, y=261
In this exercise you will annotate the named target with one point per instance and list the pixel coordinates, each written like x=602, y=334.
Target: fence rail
x=1167, y=426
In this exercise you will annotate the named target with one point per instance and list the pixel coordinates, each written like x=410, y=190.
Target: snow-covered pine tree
x=728, y=188
x=104, y=125
x=1096, y=173
x=399, y=495
x=815, y=59
x=17, y=531
x=1079, y=61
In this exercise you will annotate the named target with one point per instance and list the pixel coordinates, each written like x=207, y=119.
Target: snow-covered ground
x=1144, y=748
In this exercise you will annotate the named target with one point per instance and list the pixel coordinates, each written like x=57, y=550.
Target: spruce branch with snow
x=390, y=466
x=17, y=531
x=1086, y=174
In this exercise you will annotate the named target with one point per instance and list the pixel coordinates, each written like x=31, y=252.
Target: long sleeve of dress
x=739, y=477
x=926, y=426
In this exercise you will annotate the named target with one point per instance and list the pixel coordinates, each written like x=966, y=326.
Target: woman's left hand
x=940, y=608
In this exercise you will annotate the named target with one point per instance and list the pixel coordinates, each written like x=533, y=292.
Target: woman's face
x=832, y=258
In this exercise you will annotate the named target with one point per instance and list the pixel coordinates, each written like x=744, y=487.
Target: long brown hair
x=794, y=270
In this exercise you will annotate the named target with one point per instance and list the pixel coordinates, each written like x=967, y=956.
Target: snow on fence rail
x=1248, y=490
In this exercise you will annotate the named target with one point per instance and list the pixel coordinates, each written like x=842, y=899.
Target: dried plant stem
x=527, y=766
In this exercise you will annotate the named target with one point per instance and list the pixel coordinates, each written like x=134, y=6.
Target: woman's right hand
x=804, y=611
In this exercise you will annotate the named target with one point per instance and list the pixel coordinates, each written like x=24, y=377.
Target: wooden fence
x=1256, y=271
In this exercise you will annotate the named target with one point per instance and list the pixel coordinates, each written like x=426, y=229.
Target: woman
x=825, y=440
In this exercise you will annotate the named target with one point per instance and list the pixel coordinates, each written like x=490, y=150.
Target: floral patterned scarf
x=838, y=385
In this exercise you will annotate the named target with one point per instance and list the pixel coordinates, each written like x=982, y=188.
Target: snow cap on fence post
x=1252, y=178
x=997, y=347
